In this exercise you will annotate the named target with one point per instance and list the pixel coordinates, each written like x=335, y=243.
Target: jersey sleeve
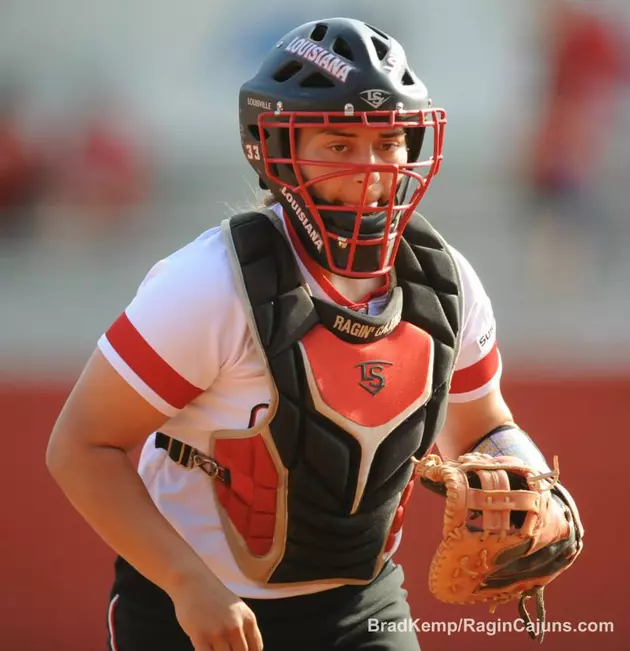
x=171, y=341
x=478, y=366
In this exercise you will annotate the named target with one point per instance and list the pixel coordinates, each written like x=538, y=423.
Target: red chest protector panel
x=374, y=386
x=368, y=389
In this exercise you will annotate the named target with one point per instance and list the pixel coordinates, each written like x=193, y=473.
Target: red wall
x=56, y=572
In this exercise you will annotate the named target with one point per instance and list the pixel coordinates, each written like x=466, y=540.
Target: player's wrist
x=511, y=441
x=185, y=573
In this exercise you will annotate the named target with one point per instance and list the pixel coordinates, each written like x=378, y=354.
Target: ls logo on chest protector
x=372, y=378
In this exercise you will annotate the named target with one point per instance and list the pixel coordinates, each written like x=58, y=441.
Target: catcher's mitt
x=508, y=531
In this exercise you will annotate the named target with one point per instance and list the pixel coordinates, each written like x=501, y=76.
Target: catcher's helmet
x=344, y=72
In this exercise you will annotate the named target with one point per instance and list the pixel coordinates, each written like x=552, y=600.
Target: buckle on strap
x=189, y=457
x=210, y=467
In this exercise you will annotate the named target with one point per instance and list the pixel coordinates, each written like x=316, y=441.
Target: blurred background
x=119, y=143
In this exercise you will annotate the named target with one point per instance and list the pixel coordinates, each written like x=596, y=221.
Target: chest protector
x=316, y=489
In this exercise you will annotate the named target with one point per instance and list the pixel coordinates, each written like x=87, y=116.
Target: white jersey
x=183, y=343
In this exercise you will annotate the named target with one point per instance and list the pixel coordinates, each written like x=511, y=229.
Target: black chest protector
x=357, y=398
x=316, y=490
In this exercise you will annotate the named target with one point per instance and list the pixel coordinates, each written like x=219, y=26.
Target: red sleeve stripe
x=167, y=383
x=475, y=376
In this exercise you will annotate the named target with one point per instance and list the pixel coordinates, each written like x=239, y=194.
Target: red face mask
x=353, y=240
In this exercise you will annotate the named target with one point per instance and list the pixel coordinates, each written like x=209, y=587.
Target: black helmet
x=344, y=72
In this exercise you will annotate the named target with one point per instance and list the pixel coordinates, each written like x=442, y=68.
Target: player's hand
x=214, y=618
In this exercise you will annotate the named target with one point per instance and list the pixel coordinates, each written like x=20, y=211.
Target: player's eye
x=391, y=146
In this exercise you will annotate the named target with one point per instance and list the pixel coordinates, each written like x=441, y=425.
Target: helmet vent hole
x=318, y=33
x=378, y=31
x=407, y=79
x=317, y=80
x=342, y=48
x=287, y=71
x=380, y=47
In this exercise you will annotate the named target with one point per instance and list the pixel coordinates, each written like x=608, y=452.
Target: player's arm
x=164, y=352
x=478, y=417
x=479, y=420
x=157, y=357
x=103, y=419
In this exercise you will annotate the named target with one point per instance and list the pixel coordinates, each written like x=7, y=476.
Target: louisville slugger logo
x=375, y=97
x=372, y=378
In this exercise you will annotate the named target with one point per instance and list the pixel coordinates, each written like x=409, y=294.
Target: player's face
x=351, y=145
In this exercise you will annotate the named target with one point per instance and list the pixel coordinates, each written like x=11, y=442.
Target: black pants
x=350, y=618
